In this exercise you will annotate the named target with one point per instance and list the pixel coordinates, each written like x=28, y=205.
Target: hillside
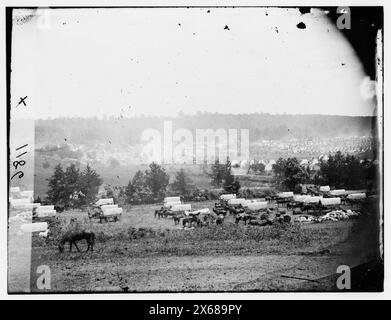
x=113, y=146
x=127, y=131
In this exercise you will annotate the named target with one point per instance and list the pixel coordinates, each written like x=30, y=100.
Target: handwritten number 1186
x=19, y=163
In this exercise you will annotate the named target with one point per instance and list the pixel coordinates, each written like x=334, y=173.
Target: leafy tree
x=217, y=173
x=182, y=184
x=90, y=182
x=347, y=171
x=257, y=168
x=72, y=185
x=57, y=187
x=136, y=190
x=333, y=170
x=156, y=179
x=109, y=191
x=230, y=184
x=72, y=188
x=290, y=173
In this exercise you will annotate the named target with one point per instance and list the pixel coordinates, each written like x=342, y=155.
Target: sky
x=161, y=62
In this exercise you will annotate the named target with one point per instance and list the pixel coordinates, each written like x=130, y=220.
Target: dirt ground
x=124, y=265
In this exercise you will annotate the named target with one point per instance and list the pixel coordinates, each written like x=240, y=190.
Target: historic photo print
x=195, y=149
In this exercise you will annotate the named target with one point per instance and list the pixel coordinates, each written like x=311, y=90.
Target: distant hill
x=112, y=146
x=127, y=132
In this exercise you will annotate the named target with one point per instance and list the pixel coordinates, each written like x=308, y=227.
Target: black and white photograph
x=195, y=149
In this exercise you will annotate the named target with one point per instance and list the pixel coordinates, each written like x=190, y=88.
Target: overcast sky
x=91, y=62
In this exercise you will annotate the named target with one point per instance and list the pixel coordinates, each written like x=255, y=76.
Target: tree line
x=338, y=171
x=71, y=187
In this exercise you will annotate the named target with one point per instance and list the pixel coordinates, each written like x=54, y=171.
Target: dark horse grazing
x=73, y=236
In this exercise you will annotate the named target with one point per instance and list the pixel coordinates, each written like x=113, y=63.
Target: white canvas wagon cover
x=172, y=199
x=101, y=202
x=200, y=211
x=171, y=204
x=288, y=194
x=357, y=196
x=109, y=206
x=338, y=192
x=256, y=205
x=330, y=201
x=299, y=198
x=181, y=207
x=112, y=212
x=237, y=201
x=227, y=196
x=314, y=199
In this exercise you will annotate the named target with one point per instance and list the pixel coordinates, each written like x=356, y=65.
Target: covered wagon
x=45, y=211
x=256, y=206
x=101, y=202
x=227, y=196
x=338, y=192
x=181, y=207
x=330, y=203
x=357, y=196
x=324, y=188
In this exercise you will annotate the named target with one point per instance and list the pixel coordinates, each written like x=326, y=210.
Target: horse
x=190, y=220
x=242, y=217
x=73, y=236
x=177, y=217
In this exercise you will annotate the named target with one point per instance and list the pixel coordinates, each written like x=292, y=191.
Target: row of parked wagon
x=255, y=210
x=174, y=208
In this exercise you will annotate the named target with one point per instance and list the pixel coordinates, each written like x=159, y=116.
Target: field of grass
x=141, y=253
